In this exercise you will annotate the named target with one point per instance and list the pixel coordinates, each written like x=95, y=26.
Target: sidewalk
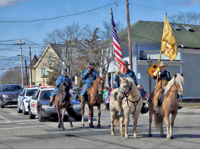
x=190, y=110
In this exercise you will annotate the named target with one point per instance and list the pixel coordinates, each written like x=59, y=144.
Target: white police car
x=23, y=99
x=38, y=106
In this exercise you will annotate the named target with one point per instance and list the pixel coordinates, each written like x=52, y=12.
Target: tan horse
x=131, y=104
x=94, y=99
x=169, y=106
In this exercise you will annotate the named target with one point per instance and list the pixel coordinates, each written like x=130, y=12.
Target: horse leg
x=62, y=119
x=126, y=115
x=59, y=117
x=91, y=117
x=136, y=115
x=172, y=124
x=150, y=121
x=83, y=111
x=167, y=124
x=112, y=116
x=99, y=114
x=121, y=121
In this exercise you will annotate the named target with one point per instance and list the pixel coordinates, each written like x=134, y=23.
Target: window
x=175, y=27
x=49, y=60
x=43, y=71
x=188, y=28
x=31, y=92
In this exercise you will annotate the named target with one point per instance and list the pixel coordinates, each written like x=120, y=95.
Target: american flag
x=117, y=49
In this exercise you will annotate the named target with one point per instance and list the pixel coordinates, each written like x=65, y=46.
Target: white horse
x=131, y=104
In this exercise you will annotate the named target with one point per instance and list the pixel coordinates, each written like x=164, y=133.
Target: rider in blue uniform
x=61, y=79
x=129, y=73
x=88, y=76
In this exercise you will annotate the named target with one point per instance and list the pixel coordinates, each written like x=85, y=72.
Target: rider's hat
x=126, y=62
x=64, y=70
x=162, y=64
x=89, y=64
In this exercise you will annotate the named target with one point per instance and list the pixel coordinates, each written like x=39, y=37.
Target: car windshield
x=46, y=95
x=31, y=92
x=11, y=88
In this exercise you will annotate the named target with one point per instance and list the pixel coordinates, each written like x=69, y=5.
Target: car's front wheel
x=40, y=117
x=30, y=115
x=1, y=103
x=18, y=110
x=23, y=110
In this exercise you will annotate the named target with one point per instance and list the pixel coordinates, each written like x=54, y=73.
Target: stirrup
x=120, y=114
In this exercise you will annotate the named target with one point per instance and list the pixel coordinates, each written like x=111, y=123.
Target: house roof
x=34, y=61
x=151, y=32
x=57, y=48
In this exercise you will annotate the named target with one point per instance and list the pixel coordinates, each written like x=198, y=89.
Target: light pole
x=149, y=63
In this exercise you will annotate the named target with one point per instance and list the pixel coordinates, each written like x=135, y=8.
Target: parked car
x=9, y=94
x=23, y=99
x=38, y=105
x=76, y=93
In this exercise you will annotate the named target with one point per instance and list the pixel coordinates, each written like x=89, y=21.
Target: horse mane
x=60, y=88
x=129, y=79
x=179, y=79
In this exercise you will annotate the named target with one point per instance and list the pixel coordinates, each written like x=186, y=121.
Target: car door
x=33, y=103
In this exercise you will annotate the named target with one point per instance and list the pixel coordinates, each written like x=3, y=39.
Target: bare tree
x=12, y=76
x=192, y=18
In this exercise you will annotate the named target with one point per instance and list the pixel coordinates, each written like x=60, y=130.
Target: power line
x=59, y=16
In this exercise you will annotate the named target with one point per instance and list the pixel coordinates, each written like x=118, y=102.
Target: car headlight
x=5, y=96
x=76, y=105
x=46, y=107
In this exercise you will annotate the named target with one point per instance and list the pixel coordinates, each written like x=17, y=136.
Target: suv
x=9, y=94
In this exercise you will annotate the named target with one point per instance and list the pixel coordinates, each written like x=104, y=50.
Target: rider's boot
x=51, y=101
x=119, y=104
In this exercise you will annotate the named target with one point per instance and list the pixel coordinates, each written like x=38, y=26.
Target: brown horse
x=169, y=106
x=62, y=101
x=94, y=94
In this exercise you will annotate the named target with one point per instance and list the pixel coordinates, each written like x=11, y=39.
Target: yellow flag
x=168, y=43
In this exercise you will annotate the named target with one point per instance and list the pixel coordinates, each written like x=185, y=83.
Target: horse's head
x=179, y=82
x=100, y=83
x=125, y=88
x=65, y=87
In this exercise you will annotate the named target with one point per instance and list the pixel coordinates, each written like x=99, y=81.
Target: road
x=17, y=131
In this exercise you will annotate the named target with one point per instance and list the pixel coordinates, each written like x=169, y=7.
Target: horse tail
x=158, y=119
x=71, y=112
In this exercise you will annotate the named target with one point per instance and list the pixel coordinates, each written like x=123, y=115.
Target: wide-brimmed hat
x=162, y=64
x=64, y=70
x=126, y=62
x=89, y=64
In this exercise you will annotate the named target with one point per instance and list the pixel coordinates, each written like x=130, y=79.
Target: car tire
x=24, y=111
x=1, y=103
x=18, y=110
x=30, y=115
x=40, y=117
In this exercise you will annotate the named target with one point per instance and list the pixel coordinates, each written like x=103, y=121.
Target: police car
x=38, y=106
x=23, y=99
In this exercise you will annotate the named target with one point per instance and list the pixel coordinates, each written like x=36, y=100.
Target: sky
x=97, y=11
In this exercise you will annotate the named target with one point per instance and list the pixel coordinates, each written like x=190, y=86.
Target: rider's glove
x=117, y=72
x=156, y=72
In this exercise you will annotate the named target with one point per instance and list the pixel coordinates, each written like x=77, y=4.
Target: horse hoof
x=83, y=124
x=135, y=136
x=58, y=126
x=122, y=135
x=99, y=125
x=71, y=125
x=150, y=135
x=63, y=128
x=172, y=137
x=126, y=137
x=162, y=135
x=168, y=137
x=91, y=126
x=112, y=134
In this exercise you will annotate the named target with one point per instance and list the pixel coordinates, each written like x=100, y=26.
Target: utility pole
x=129, y=35
x=26, y=73
x=30, y=65
x=20, y=44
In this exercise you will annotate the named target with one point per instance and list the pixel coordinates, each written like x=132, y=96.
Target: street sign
x=152, y=69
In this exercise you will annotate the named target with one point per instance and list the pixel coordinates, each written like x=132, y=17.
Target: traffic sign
x=152, y=69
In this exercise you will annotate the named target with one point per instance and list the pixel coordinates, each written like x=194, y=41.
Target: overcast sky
x=35, y=32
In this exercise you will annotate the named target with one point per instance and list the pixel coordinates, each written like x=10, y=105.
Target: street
x=18, y=131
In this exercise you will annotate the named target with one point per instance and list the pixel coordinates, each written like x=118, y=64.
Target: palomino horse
x=94, y=94
x=169, y=106
x=131, y=104
x=62, y=94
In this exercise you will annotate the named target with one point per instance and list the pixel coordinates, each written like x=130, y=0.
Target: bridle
x=126, y=91
x=98, y=87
